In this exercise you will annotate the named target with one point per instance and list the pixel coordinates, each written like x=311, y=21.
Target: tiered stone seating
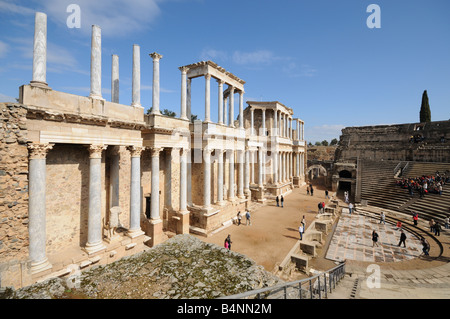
x=431, y=205
x=378, y=185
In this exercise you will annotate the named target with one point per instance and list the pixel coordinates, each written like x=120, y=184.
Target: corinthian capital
x=95, y=151
x=135, y=150
x=39, y=151
x=156, y=56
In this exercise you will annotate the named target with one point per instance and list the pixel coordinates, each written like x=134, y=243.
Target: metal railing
x=315, y=287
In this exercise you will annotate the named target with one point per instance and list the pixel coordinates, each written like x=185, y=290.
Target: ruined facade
x=87, y=181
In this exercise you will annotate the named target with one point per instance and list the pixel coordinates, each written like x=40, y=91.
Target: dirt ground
x=273, y=230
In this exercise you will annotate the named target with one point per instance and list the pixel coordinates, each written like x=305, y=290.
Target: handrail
x=339, y=269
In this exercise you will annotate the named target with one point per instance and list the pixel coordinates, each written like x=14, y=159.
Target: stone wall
x=13, y=183
x=425, y=142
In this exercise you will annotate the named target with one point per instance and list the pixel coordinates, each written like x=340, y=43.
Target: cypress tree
x=425, y=113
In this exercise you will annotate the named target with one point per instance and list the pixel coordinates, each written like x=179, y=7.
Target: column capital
x=207, y=76
x=156, y=56
x=220, y=81
x=39, y=151
x=183, y=69
x=95, y=151
x=135, y=150
x=231, y=89
x=155, y=151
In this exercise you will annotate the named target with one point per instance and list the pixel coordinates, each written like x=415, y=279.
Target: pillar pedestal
x=156, y=233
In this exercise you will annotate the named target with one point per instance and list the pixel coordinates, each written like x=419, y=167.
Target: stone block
x=301, y=262
x=308, y=248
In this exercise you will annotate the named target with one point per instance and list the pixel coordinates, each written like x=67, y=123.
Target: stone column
x=136, y=81
x=183, y=180
x=183, y=111
x=275, y=124
x=155, y=94
x=297, y=164
x=207, y=98
x=188, y=100
x=247, y=171
x=154, y=205
x=115, y=79
x=221, y=113
x=96, y=63
x=260, y=167
x=206, y=178
x=36, y=207
x=231, y=175
x=240, y=174
x=241, y=109
x=40, y=50
x=280, y=167
x=95, y=240
x=252, y=167
x=135, y=192
x=231, y=106
x=280, y=132
x=275, y=167
x=263, y=133
x=220, y=178
x=225, y=111
x=252, y=121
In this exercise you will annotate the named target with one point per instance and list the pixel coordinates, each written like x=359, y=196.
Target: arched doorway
x=345, y=183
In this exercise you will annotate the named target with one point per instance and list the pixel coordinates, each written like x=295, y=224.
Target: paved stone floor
x=352, y=240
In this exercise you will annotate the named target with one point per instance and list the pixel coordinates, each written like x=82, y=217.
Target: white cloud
x=304, y=70
x=8, y=6
x=6, y=98
x=256, y=57
x=323, y=132
x=4, y=48
x=214, y=55
x=114, y=17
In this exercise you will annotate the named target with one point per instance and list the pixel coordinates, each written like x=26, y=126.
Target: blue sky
x=317, y=57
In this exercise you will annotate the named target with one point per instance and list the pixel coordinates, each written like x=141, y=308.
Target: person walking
x=415, y=218
x=382, y=218
x=282, y=201
x=431, y=225
x=247, y=216
x=278, y=201
x=402, y=239
x=312, y=190
x=326, y=194
x=437, y=229
x=228, y=242
x=301, y=230
x=239, y=217
x=320, y=207
x=304, y=222
x=425, y=246
x=374, y=238
x=350, y=208
x=447, y=223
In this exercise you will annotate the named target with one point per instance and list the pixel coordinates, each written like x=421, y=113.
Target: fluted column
x=135, y=192
x=232, y=106
x=36, y=207
x=220, y=101
x=280, y=167
x=231, y=174
x=241, y=109
x=183, y=111
x=95, y=240
x=136, y=81
x=188, y=100
x=155, y=93
x=275, y=167
x=115, y=79
x=154, y=204
x=247, y=171
x=260, y=167
x=263, y=133
x=297, y=164
x=225, y=111
x=252, y=121
x=220, y=177
x=206, y=178
x=96, y=63
x=208, y=98
x=40, y=50
x=275, y=124
x=240, y=154
x=252, y=167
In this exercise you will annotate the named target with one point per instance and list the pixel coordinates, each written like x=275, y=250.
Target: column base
x=137, y=105
x=92, y=249
x=96, y=97
x=221, y=203
x=40, y=84
x=134, y=233
x=37, y=267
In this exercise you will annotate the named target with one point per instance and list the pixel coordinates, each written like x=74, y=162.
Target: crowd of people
x=425, y=184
